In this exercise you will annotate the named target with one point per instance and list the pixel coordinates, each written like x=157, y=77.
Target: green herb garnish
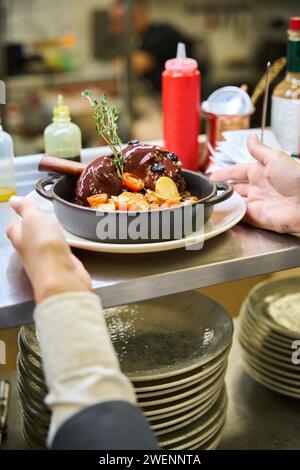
x=107, y=127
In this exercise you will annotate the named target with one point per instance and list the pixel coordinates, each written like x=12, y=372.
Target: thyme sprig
x=107, y=127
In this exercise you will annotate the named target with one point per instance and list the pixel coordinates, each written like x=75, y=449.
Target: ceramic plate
x=197, y=398
x=203, y=437
x=168, y=336
x=31, y=441
x=265, y=329
x=270, y=383
x=30, y=341
x=31, y=361
x=269, y=365
x=201, y=424
x=184, y=379
x=211, y=444
x=182, y=394
x=269, y=358
x=267, y=326
x=225, y=216
x=30, y=376
x=163, y=426
x=182, y=388
x=199, y=404
x=261, y=344
x=263, y=340
x=276, y=303
x=273, y=374
x=248, y=323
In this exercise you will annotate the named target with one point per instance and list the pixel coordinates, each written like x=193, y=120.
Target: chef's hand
x=47, y=259
x=272, y=194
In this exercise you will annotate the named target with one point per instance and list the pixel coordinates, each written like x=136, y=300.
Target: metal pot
x=134, y=227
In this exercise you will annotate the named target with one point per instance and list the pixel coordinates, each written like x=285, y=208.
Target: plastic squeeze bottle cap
x=295, y=23
x=182, y=63
x=61, y=111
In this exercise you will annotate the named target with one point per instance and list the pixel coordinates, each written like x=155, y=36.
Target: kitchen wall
x=231, y=27
x=32, y=20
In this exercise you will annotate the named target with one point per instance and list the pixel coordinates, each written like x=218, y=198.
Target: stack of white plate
x=174, y=350
x=270, y=335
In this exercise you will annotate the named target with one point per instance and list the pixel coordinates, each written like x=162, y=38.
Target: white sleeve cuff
x=80, y=363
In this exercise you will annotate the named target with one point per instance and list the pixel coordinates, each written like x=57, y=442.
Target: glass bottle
x=285, y=114
x=7, y=168
x=62, y=138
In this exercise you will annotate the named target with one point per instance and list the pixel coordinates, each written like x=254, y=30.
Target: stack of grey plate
x=270, y=335
x=174, y=350
x=32, y=390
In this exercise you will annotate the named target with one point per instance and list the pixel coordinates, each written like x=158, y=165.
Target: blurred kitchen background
x=65, y=46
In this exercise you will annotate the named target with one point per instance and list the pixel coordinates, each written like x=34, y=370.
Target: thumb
x=259, y=151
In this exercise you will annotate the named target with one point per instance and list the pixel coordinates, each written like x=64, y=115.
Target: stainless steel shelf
x=119, y=279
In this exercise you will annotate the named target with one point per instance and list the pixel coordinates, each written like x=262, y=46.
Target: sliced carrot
x=132, y=182
x=97, y=200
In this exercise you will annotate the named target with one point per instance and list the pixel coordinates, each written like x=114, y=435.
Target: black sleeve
x=161, y=42
x=113, y=425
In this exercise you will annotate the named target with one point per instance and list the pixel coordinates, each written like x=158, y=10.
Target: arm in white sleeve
x=80, y=363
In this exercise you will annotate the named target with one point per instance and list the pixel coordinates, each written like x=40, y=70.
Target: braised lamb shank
x=148, y=162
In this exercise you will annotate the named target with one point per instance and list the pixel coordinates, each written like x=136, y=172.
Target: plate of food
x=137, y=197
x=225, y=216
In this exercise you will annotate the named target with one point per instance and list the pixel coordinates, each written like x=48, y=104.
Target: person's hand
x=47, y=259
x=272, y=194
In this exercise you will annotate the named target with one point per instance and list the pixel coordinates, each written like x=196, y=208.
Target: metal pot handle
x=227, y=192
x=40, y=186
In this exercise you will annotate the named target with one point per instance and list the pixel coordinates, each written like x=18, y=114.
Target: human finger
x=242, y=189
x=233, y=172
x=14, y=233
x=261, y=152
x=23, y=206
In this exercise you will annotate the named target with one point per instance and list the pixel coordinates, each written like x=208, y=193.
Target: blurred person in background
x=155, y=42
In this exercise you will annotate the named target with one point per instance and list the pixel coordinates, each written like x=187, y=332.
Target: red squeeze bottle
x=181, y=108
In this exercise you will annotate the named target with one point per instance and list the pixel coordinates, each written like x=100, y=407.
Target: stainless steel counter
x=118, y=279
x=257, y=417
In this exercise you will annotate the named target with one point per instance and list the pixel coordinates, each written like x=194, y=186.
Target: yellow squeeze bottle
x=62, y=137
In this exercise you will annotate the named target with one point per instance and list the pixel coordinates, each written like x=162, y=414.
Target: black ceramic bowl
x=134, y=227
